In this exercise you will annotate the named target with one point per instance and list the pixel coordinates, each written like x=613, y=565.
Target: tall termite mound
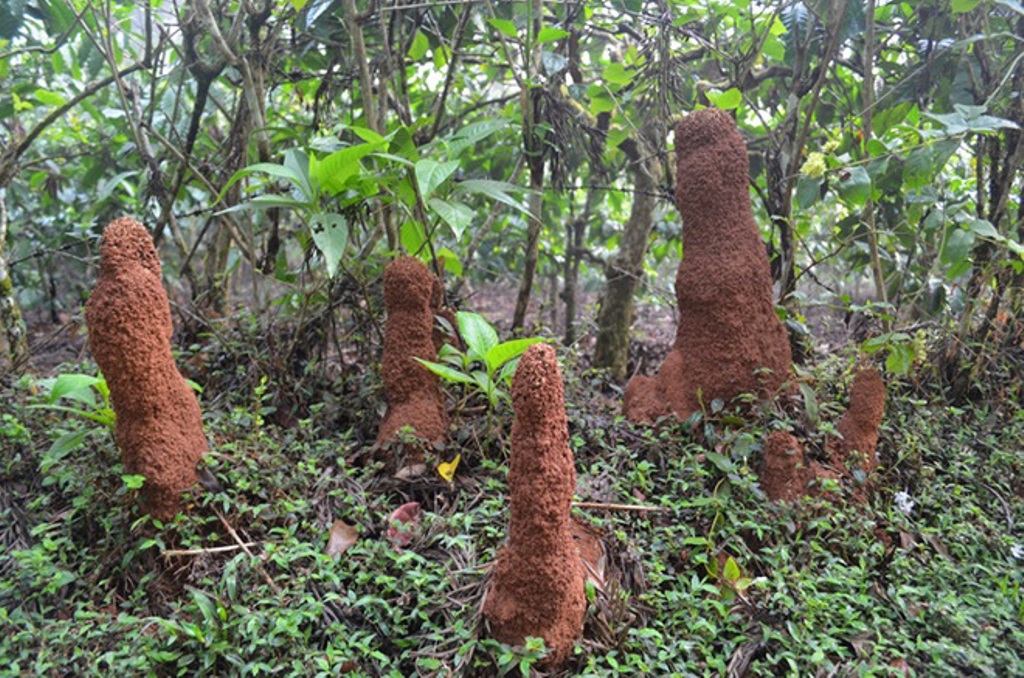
x=159, y=426
x=411, y=296
x=729, y=340
x=537, y=585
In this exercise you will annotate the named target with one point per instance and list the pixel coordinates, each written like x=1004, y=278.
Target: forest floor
x=707, y=578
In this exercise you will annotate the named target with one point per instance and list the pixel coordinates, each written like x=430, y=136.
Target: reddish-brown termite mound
x=856, y=451
x=159, y=426
x=729, y=340
x=537, y=586
x=787, y=476
x=411, y=297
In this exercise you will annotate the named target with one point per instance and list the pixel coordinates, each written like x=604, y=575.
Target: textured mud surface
x=537, y=586
x=159, y=425
x=857, y=450
x=729, y=340
x=411, y=296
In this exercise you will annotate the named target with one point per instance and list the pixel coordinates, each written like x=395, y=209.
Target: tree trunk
x=10, y=313
x=625, y=269
x=533, y=147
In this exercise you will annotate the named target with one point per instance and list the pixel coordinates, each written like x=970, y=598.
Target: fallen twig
x=242, y=545
x=616, y=507
x=171, y=553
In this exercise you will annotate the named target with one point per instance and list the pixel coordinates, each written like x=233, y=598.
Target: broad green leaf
x=550, y=34
x=413, y=237
x=447, y=373
x=268, y=168
x=808, y=191
x=450, y=261
x=330, y=233
x=900, y=359
x=455, y=214
x=69, y=442
x=507, y=350
x=727, y=100
x=420, y=45
x=504, y=26
x=478, y=334
x=496, y=190
x=430, y=174
x=958, y=246
x=472, y=134
x=76, y=387
x=961, y=6
x=984, y=228
x=50, y=98
x=810, y=405
x=297, y=5
x=617, y=74
x=334, y=171
x=855, y=189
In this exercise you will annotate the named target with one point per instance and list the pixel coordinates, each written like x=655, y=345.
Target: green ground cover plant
x=926, y=577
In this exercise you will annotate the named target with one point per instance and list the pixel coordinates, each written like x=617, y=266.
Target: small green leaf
x=330, y=233
x=727, y=100
x=504, y=26
x=133, y=482
x=731, y=571
x=550, y=34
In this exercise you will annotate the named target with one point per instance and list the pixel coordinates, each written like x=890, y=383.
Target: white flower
x=904, y=502
x=1017, y=551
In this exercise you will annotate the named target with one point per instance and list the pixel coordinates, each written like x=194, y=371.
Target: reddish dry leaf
x=402, y=523
x=343, y=535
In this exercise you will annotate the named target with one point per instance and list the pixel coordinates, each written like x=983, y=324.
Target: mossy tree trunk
x=625, y=269
x=10, y=312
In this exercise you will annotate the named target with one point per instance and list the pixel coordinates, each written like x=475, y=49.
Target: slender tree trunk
x=625, y=269
x=533, y=145
x=10, y=312
x=575, y=234
x=868, y=87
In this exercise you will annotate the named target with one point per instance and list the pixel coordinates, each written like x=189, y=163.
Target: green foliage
x=486, y=365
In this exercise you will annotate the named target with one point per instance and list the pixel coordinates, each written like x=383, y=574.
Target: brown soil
x=411, y=297
x=728, y=330
x=859, y=426
x=159, y=426
x=537, y=586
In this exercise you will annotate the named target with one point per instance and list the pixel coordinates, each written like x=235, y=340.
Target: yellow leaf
x=446, y=469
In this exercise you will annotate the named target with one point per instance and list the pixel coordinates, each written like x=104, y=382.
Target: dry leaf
x=343, y=535
x=446, y=469
x=402, y=523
